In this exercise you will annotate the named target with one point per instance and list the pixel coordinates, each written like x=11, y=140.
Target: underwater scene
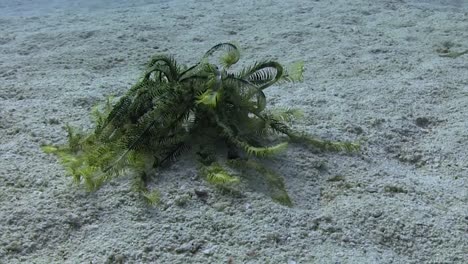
x=182, y=131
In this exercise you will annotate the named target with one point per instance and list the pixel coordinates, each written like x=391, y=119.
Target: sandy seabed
x=374, y=73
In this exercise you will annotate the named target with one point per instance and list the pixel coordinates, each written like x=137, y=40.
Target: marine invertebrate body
x=174, y=108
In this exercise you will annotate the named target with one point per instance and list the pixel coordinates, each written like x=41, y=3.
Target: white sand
x=373, y=73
